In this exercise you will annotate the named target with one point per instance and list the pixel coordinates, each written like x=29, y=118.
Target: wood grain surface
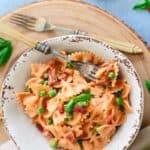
x=78, y=15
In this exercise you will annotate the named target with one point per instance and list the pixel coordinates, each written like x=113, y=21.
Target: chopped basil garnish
x=80, y=141
x=121, y=107
x=69, y=65
x=82, y=104
x=80, y=98
x=118, y=93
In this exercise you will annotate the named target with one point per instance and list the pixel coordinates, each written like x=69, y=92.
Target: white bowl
x=20, y=127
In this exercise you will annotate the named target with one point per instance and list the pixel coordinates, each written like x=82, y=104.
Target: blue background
x=139, y=21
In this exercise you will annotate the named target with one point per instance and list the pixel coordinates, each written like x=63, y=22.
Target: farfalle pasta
x=86, y=57
x=72, y=112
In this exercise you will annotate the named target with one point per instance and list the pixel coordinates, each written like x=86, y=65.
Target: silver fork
x=40, y=24
x=86, y=69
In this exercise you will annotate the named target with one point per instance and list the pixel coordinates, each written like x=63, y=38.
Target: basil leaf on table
x=140, y=6
x=144, y=5
x=147, y=84
x=5, y=51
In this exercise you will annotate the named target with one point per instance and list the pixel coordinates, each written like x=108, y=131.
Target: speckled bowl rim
x=78, y=38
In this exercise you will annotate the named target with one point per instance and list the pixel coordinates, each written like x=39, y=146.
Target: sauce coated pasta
x=72, y=112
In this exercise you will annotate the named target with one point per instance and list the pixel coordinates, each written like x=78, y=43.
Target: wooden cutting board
x=79, y=15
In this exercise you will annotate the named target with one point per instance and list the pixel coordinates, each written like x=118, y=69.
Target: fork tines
x=23, y=20
x=91, y=74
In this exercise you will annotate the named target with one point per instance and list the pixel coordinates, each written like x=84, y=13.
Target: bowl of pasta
x=48, y=104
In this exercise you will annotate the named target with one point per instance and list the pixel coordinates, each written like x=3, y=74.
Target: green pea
x=49, y=121
x=52, y=93
x=53, y=144
x=41, y=110
x=82, y=103
x=42, y=93
x=111, y=75
x=69, y=65
x=119, y=101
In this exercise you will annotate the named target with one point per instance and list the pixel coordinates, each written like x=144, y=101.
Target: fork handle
x=4, y=28
x=70, y=31
x=126, y=47
x=40, y=46
x=122, y=46
x=63, y=29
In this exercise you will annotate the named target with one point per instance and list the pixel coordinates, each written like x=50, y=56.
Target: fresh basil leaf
x=140, y=6
x=3, y=43
x=83, y=97
x=148, y=2
x=2, y=40
x=82, y=103
x=5, y=52
x=147, y=84
x=144, y=5
x=70, y=106
x=80, y=98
